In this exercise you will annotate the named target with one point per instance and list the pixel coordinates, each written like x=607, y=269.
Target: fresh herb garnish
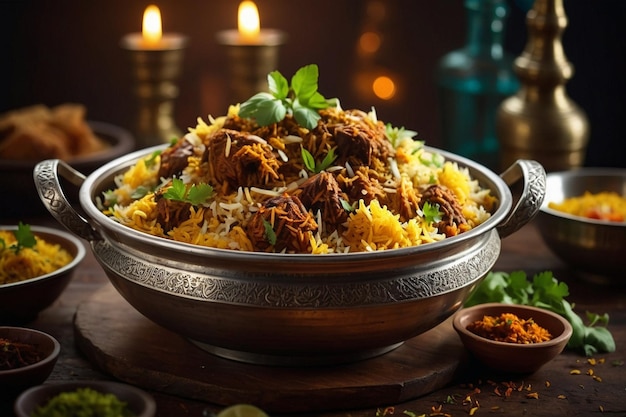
x=395, y=134
x=152, y=159
x=346, y=205
x=140, y=192
x=315, y=167
x=545, y=291
x=270, y=234
x=431, y=212
x=300, y=99
x=24, y=239
x=195, y=195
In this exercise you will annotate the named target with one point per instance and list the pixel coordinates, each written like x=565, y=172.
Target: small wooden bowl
x=513, y=357
x=139, y=402
x=48, y=348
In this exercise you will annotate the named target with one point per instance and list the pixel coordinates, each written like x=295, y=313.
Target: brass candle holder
x=250, y=60
x=155, y=72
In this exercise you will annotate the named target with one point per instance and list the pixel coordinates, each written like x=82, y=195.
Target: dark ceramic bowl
x=513, y=357
x=47, y=348
x=16, y=177
x=21, y=302
x=139, y=402
x=593, y=248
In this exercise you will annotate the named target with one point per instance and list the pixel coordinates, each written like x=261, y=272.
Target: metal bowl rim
x=504, y=206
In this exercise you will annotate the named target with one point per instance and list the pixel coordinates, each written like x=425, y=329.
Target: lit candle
x=151, y=29
x=152, y=36
x=249, y=32
x=248, y=23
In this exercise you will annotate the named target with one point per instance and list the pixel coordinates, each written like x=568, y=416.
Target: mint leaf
x=301, y=99
x=306, y=117
x=304, y=83
x=250, y=107
x=278, y=85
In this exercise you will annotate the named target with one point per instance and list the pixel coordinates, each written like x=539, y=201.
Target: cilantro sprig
x=545, y=291
x=24, y=239
x=196, y=194
x=431, y=212
x=300, y=99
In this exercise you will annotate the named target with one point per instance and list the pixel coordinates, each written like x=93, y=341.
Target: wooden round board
x=122, y=342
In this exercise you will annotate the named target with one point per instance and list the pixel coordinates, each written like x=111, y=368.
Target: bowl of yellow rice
x=33, y=276
x=583, y=221
x=286, y=242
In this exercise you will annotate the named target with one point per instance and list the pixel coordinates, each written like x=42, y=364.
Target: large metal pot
x=280, y=309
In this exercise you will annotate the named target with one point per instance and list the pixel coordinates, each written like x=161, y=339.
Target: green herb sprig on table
x=24, y=239
x=300, y=98
x=196, y=194
x=545, y=291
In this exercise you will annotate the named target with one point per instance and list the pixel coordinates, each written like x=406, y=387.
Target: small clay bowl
x=513, y=357
x=140, y=403
x=20, y=378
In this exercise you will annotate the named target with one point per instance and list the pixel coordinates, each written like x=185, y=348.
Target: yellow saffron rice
x=222, y=221
x=41, y=259
x=608, y=206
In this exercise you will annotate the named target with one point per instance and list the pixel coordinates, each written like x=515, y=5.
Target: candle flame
x=151, y=30
x=248, y=19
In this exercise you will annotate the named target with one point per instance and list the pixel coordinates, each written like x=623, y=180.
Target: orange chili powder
x=507, y=327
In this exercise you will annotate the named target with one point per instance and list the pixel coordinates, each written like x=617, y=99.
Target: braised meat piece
x=452, y=222
x=322, y=192
x=406, y=200
x=364, y=185
x=282, y=223
x=361, y=142
x=171, y=213
x=175, y=158
x=239, y=159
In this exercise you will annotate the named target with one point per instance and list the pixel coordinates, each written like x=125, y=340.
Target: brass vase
x=540, y=121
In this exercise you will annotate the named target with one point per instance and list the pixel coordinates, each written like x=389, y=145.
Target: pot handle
x=527, y=181
x=46, y=175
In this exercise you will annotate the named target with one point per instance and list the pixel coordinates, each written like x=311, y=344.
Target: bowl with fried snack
x=32, y=134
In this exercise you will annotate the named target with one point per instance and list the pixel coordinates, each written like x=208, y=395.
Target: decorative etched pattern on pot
x=532, y=177
x=434, y=281
x=50, y=193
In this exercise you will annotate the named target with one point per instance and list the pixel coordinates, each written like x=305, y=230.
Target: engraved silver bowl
x=281, y=309
x=594, y=249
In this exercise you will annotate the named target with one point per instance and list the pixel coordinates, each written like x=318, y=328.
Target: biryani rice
x=43, y=258
x=221, y=223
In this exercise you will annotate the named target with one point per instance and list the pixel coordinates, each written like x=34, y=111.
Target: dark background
x=61, y=51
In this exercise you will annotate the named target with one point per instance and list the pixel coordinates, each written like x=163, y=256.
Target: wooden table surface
x=600, y=388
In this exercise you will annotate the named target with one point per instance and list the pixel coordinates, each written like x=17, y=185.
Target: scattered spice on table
x=15, y=355
x=507, y=327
